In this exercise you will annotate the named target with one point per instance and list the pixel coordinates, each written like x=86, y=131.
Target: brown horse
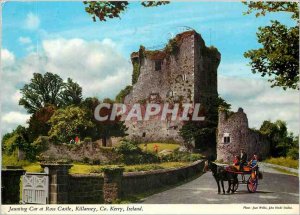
x=221, y=175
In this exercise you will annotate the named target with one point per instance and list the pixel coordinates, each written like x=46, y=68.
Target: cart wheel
x=252, y=185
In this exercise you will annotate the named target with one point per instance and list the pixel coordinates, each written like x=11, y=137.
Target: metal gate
x=35, y=188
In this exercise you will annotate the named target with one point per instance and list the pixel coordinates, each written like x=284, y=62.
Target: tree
x=19, y=139
x=123, y=93
x=38, y=122
x=281, y=141
x=222, y=104
x=279, y=56
x=72, y=93
x=67, y=123
x=42, y=90
x=204, y=132
x=112, y=9
x=49, y=89
x=104, y=129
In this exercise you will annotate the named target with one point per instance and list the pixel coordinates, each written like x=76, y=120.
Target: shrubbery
x=284, y=161
x=130, y=153
x=293, y=153
x=181, y=156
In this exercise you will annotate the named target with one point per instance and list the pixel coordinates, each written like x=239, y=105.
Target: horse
x=220, y=174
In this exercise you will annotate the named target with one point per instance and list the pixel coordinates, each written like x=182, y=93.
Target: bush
x=282, y=161
x=127, y=148
x=87, y=140
x=293, y=153
x=12, y=160
x=41, y=144
x=181, y=156
x=86, y=160
x=130, y=153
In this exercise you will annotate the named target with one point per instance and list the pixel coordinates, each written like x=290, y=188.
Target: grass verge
x=284, y=161
x=161, y=146
x=286, y=171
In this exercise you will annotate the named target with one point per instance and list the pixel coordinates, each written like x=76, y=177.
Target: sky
x=60, y=37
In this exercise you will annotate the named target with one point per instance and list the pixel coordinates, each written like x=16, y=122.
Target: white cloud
x=240, y=69
x=14, y=117
x=96, y=65
x=32, y=21
x=25, y=40
x=261, y=102
x=7, y=58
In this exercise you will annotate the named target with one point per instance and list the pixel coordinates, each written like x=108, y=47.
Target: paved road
x=273, y=189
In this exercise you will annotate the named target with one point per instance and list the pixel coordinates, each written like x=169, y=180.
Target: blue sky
x=60, y=37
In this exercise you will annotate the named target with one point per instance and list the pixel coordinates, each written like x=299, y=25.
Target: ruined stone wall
x=83, y=152
x=235, y=126
x=188, y=74
x=207, y=60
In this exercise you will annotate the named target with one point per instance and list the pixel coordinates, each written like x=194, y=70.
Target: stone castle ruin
x=234, y=134
x=185, y=71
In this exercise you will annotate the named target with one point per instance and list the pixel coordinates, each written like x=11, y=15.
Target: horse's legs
x=229, y=186
x=222, y=183
x=219, y=190
x=235, y=181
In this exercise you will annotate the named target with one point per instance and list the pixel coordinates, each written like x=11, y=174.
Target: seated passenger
x=253, y=162
x=236, y=160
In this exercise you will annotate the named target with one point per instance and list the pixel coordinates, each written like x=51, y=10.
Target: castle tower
x=234, y=134
x=185, y=71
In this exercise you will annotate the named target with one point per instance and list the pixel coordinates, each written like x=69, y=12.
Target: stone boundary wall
x=85, y=188
x=139, y=182
x=10, y=185
x=89, y=188
x=65, y=188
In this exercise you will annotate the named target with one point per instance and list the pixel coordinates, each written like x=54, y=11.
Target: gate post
x=112, y=183
x=58, y=182
x=10, y=184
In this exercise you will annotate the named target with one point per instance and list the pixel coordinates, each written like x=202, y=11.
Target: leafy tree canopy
x=112, y=9
x=38, y=122
x=104, y=129
x=124, y=92
x=279, y=56
x=281, y=141
x=49, y=89
x=72, y=93
x=67, y=123
x=204, y=133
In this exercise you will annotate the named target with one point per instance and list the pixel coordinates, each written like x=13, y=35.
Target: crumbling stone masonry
x=235, y=134
x=184, y=71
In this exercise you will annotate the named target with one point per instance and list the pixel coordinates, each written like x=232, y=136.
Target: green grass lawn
x=12, y=160
x=87, y=168
x=161, y=146
x=282, y=161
